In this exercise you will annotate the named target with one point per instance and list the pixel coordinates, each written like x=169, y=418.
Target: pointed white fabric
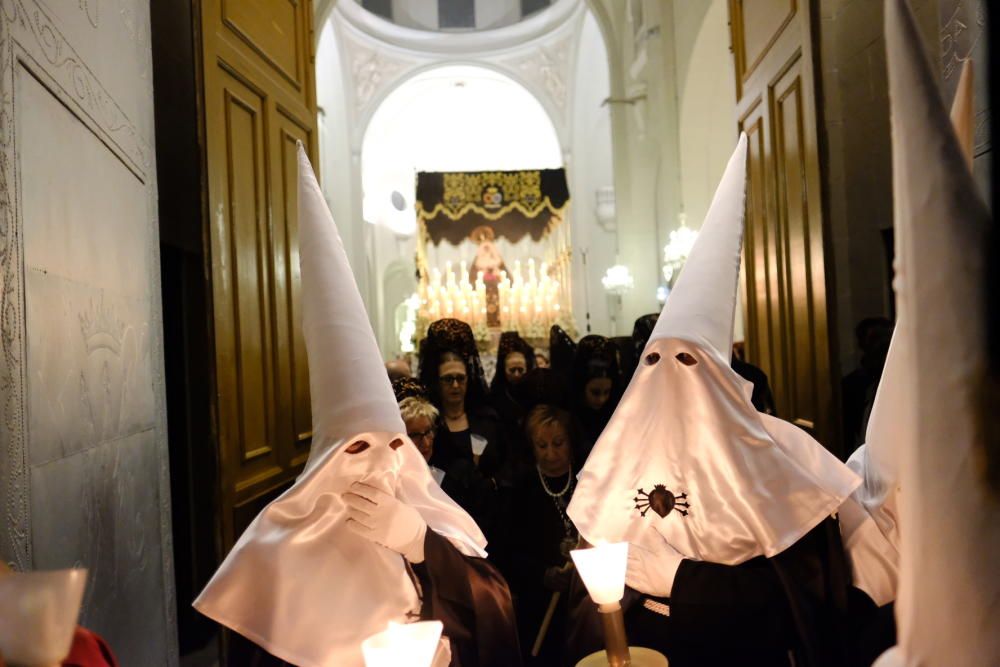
x=869, y=520
x=949, y=594
x=349, y=387
x=874, y=549
x=299, y=582
x=702, y=304
x=686, y=459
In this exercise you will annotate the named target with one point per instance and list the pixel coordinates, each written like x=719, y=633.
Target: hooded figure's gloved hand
x=652, y=572
x=381, y=518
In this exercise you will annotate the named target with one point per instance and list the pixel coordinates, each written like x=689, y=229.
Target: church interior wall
x=643, y=108
x=590, y=168
x=706, y=103
x=340, y=162
x=675, y=127
x=84, y=467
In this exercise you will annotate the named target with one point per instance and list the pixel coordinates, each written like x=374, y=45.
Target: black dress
x=452, y=445
x=473, y=487
x=769, y=612
x=468, y=595
x=538, y=534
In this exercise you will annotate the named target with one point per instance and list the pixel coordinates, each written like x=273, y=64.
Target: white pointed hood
x=702, y=303
x=298, y=582
x=869, y=519
x=350, y=389
x=949, y=592
x=686, y=459
x=871, y=537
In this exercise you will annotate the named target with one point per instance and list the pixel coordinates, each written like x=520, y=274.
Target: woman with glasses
x=468, y=444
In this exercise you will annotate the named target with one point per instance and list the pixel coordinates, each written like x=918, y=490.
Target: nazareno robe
x=764, y=612
x=468, y=595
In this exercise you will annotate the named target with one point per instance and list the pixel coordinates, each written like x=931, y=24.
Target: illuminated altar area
x=493, y=250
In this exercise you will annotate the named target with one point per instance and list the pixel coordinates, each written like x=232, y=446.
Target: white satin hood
x=305, y=587
x=870, y=534
x=299, y=582
x=744, y=484
x=686, y=459
x=869, y=522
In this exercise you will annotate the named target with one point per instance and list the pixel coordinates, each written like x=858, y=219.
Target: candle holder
x=602, y=569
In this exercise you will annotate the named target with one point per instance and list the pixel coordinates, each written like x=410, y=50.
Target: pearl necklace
x=569, y=481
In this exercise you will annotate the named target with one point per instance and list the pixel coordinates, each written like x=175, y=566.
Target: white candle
x=602, y=568
x=412, y=644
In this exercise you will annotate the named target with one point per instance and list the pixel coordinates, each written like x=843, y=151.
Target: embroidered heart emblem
x=662, y=501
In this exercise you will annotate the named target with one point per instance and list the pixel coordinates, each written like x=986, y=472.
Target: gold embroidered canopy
x=513, y=203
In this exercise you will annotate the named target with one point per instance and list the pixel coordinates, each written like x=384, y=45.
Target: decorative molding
x=547, y=67
x=15, y=543
x=91, y=8
x=372, y=71
x=60, y=61
x=463, y=43
x=378, y=56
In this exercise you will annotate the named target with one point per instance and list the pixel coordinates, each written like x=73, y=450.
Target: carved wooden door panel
x=83, y=446
x=259, y=101
x=784, y=277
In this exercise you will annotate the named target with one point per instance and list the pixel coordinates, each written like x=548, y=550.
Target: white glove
x=652, y=572
x=381, y=518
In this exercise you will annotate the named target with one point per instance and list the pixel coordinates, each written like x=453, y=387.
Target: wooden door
x=784, y=277
x=259, y=101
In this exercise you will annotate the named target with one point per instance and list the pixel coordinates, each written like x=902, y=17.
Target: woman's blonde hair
x=542, y=415
x=414, y=407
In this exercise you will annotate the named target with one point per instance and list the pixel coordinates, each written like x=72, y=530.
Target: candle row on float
x=450, y=296
x=531, y=304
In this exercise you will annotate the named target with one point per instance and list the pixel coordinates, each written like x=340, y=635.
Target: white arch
x=431, y=122
x=380, y=96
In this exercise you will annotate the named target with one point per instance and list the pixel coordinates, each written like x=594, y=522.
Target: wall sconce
x=605, y=208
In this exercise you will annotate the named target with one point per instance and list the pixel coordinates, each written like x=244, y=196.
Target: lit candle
x=412, y=644
x=602, y=569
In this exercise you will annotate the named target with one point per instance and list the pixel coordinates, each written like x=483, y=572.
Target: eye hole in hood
x=357, y=447
x=396, y=444
x=652, y=358
x=686, y=359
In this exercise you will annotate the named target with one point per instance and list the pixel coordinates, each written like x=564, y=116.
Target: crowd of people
x=438, y=497
x=508, y=450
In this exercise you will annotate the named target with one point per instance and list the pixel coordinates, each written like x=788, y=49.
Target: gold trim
x=490, y=214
